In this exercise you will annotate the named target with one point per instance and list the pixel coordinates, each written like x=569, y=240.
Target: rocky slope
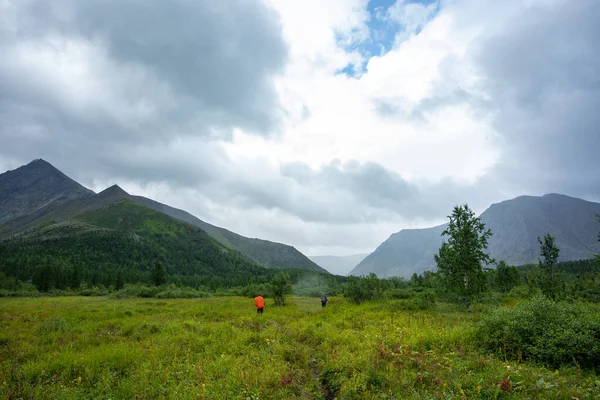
x=34, y=186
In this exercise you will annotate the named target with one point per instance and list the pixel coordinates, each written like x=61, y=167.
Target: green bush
x=399, y=294
x=131, y=291
x=420, y=302
x=544, y=331
x=181, y=293
x=160, y=292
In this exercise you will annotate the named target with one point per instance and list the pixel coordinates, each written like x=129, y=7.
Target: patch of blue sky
x=382, y=33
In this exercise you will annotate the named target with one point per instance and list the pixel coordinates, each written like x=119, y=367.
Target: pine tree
x=460, y=259
x=158, y=275
x=598, y=255
x=119, y=280
x=75, y=278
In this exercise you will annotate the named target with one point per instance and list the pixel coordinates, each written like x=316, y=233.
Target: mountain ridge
x=266, y=253
x=515, y=223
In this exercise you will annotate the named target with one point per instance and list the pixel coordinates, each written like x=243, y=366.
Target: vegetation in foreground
x=217, y=348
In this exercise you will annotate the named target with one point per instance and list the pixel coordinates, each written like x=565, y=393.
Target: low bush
x=131, y=291
x=541, y=330
x=159, y=292
x=420, y=302
x=399, y=294
x=181, y=293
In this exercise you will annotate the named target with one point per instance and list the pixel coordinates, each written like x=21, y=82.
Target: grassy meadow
x=219, y=348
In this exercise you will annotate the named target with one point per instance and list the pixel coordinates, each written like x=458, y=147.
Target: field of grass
x=219, y=348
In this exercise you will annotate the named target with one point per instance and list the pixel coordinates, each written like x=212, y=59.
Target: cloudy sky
x=325, y=124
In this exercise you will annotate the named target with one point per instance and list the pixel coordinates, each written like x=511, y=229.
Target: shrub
x=420, y=302
x=399, y=294
x=544, y=331
x=181, y=293
x=130, y=291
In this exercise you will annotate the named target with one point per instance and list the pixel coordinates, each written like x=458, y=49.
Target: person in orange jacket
x=260, y=304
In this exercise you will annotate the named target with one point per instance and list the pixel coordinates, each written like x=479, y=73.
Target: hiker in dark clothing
x=324, y=300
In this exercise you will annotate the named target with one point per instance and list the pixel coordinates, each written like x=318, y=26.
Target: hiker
x=324, y=300
x=260, y=304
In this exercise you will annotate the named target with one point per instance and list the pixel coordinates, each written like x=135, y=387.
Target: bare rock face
x=516, y=224
x=34, y=186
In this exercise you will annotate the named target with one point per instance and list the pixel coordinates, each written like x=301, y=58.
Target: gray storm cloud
x=148, y=92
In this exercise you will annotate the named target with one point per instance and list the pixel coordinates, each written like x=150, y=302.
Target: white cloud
x=426, y=116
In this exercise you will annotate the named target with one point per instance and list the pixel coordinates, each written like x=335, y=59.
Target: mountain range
x=38, y=196
x=47, y=218
x=516, y=224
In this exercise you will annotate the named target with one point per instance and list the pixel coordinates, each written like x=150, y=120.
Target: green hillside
x=125, y=239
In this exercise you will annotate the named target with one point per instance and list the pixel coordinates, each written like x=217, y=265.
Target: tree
x=75, y=279
x=598, y=255
x=416, y=280
x=158, y=275
x=549, y=279
x=506, y=278
x=460, y=259
x=281, y=284
x=359, y=289
x=119, y=280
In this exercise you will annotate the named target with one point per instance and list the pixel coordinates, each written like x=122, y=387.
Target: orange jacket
x=259, y=301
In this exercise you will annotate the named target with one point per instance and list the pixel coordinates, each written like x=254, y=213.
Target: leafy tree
x=158, y=275
x=416, y=279
x=506, y=278
x=460, y=259
x=359, y=289
x=549, y=279
x=281, y=284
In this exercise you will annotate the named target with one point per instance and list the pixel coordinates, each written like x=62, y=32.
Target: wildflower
x=505, y=385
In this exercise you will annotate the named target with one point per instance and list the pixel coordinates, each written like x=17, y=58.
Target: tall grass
x=219, y=348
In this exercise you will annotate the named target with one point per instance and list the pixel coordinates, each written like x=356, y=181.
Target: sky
x=324, y=124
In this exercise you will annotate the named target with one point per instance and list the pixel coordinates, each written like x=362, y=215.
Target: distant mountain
x=34, y=186
x=39, y=192
x=516, y=225
x=339, y=265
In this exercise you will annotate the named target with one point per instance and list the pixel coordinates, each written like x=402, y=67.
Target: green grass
x=218, y=348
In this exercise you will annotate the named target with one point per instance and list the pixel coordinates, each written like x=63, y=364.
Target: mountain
x=338, y=265
x=34, y=186
x=111, y=235
x=264, y=252
x=48, y=194
x=516, y=224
